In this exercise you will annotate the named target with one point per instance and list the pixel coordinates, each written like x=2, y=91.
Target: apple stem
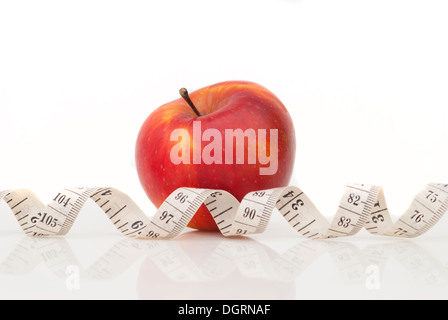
x=184, y=94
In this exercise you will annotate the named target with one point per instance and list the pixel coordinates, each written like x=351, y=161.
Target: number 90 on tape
x=361, y=206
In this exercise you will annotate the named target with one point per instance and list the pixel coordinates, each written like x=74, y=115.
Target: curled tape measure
x=361, y=206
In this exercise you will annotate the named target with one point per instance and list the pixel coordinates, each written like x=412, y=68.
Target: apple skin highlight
x=226, y=105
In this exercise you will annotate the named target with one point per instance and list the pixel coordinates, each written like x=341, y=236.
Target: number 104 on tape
x=361, y=206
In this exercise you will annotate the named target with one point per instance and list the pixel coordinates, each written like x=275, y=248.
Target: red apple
x=235, y=136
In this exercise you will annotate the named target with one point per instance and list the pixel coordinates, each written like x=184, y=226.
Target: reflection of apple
x=222, y=278
x=202, y=161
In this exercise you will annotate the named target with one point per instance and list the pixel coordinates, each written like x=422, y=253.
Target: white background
x=365, y=83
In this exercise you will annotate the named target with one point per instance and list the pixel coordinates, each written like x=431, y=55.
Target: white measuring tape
x=361, y=206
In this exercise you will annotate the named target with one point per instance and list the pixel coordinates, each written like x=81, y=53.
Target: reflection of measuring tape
x=170, y=261
x=361, y=206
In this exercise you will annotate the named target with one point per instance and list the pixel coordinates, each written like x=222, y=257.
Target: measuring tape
x=360, y=206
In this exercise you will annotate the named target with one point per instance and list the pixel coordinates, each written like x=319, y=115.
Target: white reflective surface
x=197, y=265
